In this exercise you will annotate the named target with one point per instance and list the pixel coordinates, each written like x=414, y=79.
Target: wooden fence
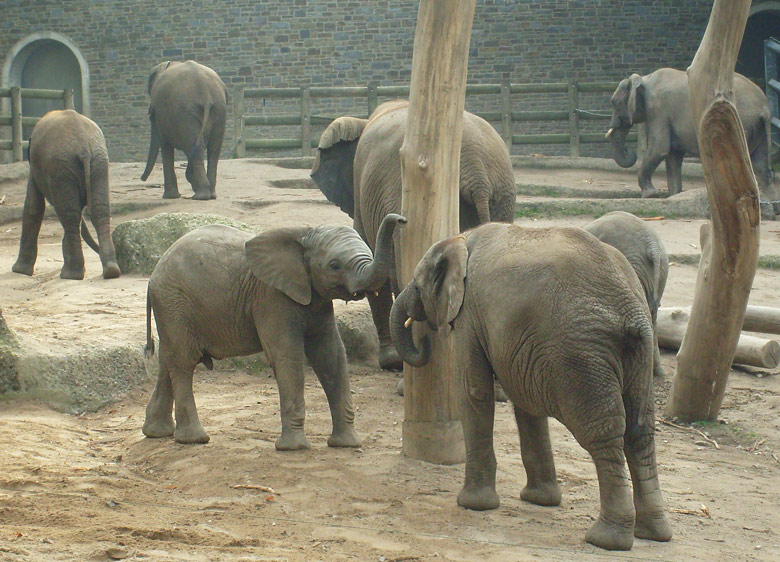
x=16, y=120
x=572, y=113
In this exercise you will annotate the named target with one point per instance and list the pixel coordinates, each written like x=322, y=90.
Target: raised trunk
x=154, y=149
x=375, y=274
x=401, y=331
x=624, y=155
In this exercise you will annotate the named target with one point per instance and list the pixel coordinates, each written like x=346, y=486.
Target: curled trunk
x=624, y=155
x=401, y=331
x=376, y=273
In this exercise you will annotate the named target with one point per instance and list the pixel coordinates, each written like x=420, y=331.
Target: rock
x=357, y=331
x=140, y=243
x=9, y=351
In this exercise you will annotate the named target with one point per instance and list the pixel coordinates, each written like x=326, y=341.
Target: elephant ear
x=154, y=74
x=276, y=258
x=441, y=275
x=332, y=171
x=636, y=99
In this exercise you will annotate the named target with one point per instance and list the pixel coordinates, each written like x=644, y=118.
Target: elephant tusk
x=408, y=322
x=376, y=293
x=609, y=132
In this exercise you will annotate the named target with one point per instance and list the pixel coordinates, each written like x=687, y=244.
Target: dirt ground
x=91, y=487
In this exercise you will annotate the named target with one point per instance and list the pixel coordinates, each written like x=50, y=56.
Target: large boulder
x=140, y=243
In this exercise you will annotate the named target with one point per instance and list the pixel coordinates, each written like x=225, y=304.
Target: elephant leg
x=674, y=162
x=478, y=410
x=213, y=149
x=650, y=162
x=380, y=311
x=101, y=219
x=171, y=187
x=32, y=217
x=542, y=485
x=159, y=418
x=72, y=253
x=326, y=355
x=196, y=175
x=769, y=194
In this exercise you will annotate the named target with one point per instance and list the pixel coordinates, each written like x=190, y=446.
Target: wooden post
x=506, y=112
x=67, y=99
x=430, y=168
x=238, y=125
x=305, y=121
x=16, y=123
x=373, y=98
x=574, y=120
x=730, y=243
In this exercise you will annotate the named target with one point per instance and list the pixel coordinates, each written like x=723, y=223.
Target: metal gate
x=771, y=53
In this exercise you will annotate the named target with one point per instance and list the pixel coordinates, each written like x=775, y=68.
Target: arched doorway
x=763, y=23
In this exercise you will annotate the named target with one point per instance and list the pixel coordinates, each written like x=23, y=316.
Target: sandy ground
x=91, y=487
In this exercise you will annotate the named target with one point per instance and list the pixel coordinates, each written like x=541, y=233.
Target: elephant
x=220, y=292
x=660, y=100
x=358, y=167
x=187, y=112
x=560, y=319
x=645, y=252
x=69, y=169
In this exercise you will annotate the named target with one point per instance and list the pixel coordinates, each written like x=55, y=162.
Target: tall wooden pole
x=430, y=164
x=730, y=242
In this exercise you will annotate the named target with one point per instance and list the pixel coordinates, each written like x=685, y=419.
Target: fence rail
x=17, y=121
x=506, y=116
x=772, y=75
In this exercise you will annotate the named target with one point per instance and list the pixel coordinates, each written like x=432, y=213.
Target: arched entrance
x=763, y=23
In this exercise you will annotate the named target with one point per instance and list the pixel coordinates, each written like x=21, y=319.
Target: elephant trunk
x=624, y=155
x=375, y=273
x=154, y=149
x=407, y=307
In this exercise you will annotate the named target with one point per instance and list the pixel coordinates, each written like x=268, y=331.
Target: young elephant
x=645, y=252
x=69, y=169
x=561, y=320
x=219, y=292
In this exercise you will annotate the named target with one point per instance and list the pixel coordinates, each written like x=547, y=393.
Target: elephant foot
x=650, y=193
x=658, y=372
x=610, y=536
x=389, y=360
x=190, y=433
x=344, y=438
x=23, y=268
x=653, y=526
x=158, y=428
x=213, y=195
x=111, y=271
x=292, y=441
x=478, y=498
x=500, y=394
x=171, y=194
x=399, y=388
x=201, y=196
x=544, y=494
x=72, y=273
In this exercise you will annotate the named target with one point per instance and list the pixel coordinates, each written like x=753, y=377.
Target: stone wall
x=346, y=42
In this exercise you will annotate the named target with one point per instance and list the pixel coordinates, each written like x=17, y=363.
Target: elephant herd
x=562, y=318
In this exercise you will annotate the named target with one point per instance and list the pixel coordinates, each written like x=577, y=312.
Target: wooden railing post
x=574, y=120
x=16, y=123
x=373, y=98
x=67, y=98
x=305, y=121
x=506, y=112
x=238, y=125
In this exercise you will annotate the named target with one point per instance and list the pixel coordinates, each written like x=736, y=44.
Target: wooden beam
x=430, y=167
x=761, y=319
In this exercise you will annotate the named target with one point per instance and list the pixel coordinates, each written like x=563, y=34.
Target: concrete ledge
x=690, y=169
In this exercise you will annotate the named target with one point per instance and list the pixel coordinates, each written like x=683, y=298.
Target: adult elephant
x=643, y=249
x=69, y=169
x=187, y=112
x=572, y=339
x=358, y=167
x=660, y=100
x=219, y=292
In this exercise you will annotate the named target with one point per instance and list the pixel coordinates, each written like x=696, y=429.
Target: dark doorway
x=750, y=61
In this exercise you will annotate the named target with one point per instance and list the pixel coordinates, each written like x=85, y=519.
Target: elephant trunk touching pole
x=401, y=330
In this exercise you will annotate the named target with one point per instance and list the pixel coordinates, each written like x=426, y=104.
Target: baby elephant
x=219, y=292
x=645, y=252
x=68, y=168
x=562, y=322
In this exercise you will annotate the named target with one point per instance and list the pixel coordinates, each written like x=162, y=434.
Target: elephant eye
x=334, y=265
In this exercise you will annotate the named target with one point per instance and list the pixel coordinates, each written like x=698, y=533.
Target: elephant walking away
x=660, y=100
x=643, y=249
x=69, y=169
x=187, y=112
x=219, y=292
x=562, y=322
x=358, y=167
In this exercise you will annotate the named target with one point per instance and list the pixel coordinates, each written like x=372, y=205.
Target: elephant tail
x=638, y=397
x=149, y=349
x=154, y=147
x=200, y=142
x=85, y=233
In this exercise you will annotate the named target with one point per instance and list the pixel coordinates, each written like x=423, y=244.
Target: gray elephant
x=660, y=100
x=358, y=167
x=219, y=292
x=69, y=169
x=643, y=249
x=573, y=339
x=187, y=112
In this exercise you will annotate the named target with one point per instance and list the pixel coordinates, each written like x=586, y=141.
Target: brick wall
x=345, y=42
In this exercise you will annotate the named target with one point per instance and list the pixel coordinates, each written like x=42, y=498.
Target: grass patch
x=596, y=208
x=573, y=193
x=250, y=364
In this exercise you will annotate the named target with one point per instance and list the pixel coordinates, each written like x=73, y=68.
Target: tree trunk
x=730, y=243
x=430, y=164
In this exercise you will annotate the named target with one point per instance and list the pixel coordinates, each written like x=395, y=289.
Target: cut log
x=751, y=350
x=761, y=319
